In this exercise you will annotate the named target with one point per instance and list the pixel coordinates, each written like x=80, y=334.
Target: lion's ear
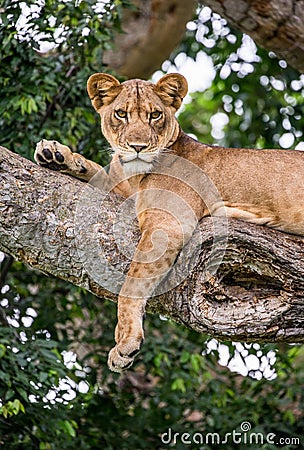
x=172, y=88
x=102, y=89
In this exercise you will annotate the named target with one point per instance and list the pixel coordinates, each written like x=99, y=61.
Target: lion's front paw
x=121, y=357
x=53, y=155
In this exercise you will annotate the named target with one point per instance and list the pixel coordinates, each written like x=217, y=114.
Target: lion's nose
x=138, y=147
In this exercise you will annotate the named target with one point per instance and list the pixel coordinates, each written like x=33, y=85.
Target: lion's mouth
x=142, y=157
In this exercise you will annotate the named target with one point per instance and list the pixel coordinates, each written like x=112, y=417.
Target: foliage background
x=50, y=400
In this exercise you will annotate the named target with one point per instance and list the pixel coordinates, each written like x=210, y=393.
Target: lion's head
x=137, y=116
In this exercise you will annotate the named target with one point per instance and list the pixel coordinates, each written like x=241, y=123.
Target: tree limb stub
x=256, y=294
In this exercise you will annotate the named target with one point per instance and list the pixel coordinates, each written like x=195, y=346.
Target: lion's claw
x=52, y=155
x=121, y=357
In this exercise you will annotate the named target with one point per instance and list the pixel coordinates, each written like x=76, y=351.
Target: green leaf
x=196, y=362
x=2, y=350
x=23, y=393
x=68, y=428
x=185, y=356
x=43, y=376
x=178, y=385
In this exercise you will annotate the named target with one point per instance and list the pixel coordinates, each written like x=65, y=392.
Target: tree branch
x=64, y=228
x=276, y=25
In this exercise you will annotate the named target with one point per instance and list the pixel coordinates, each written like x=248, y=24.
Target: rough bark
x=154, y=30
x=150, y=33
x=276, y=25
x=257, y=294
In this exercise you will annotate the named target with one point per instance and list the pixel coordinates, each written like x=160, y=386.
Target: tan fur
x=178, y=181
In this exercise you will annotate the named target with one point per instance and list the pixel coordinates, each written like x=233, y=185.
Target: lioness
x=138, y=120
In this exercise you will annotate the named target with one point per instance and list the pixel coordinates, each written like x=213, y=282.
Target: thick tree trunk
x=150, y=33
x=66, y=228
x=153, y=31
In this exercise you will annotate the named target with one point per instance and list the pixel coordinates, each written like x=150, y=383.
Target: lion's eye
x=155, y=115
x=120, y=114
